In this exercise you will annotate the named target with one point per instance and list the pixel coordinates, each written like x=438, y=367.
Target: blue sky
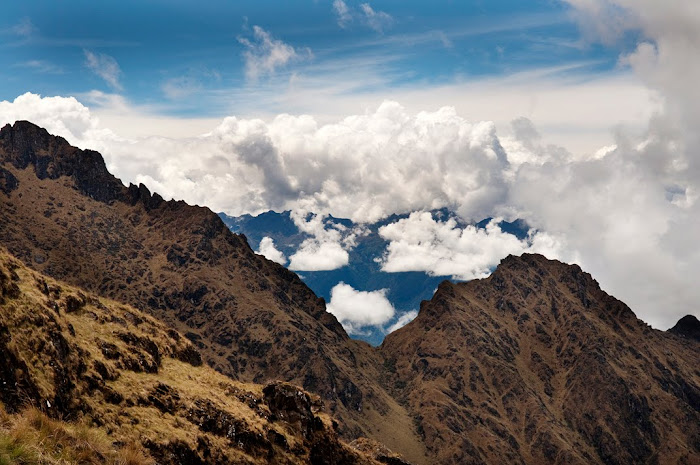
x=185, y=58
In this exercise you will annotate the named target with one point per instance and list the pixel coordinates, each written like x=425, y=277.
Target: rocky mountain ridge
x=250, y=318
x=536, y=364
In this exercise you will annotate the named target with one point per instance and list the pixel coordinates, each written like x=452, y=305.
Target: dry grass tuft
x=32, y=438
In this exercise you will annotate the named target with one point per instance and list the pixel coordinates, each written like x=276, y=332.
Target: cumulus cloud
x=268, y=250
x=364, y=167
x=442, y=248
x=403, y=320
x=358, y=309
x=526, y=146
x=315, y=255
x=264, y=54
x=104, y=66
x=64, y=116
x=328, y=246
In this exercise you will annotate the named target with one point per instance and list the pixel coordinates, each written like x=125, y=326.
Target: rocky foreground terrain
x=535, y=364
x=70, y=355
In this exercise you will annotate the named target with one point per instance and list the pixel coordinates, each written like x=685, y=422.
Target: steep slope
x=62, y=213
x=141, y=385
x=536, y=364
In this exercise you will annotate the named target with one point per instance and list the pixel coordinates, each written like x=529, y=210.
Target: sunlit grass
x=30, y=437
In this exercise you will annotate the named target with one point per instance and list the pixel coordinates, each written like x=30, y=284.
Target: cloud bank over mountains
x=441, y=248
x=606, y=211
x=628, y=213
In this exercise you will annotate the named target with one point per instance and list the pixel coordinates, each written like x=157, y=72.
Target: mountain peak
x=51, y=156
x=688, y=326
x=508, y=360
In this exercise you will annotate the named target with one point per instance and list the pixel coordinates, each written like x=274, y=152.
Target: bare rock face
x=292, y=405
x=536, y=364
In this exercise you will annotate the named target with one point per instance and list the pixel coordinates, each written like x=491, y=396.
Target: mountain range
x=534, y=364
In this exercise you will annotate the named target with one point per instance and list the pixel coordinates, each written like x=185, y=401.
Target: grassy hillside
x=88, y=380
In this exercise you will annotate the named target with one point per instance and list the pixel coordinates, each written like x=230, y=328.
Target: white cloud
x=105, y=67
x=421, y=243
x=364, y=14
x=403, y=320
x=325, y=250
x=268, y=250
x=629, y=212
x=357, y=309
x=314, y=255
x=264, y=54
x=63, y=116
x=342, y=12
x=377, y=20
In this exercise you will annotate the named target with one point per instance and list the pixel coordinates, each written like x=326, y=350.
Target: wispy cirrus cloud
x=194, y=81
x=377, y=20
x=104, y=66
x=40, y=66
x=264, y=54
x=364, y=14
x=24, y=28
x=342, y=13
